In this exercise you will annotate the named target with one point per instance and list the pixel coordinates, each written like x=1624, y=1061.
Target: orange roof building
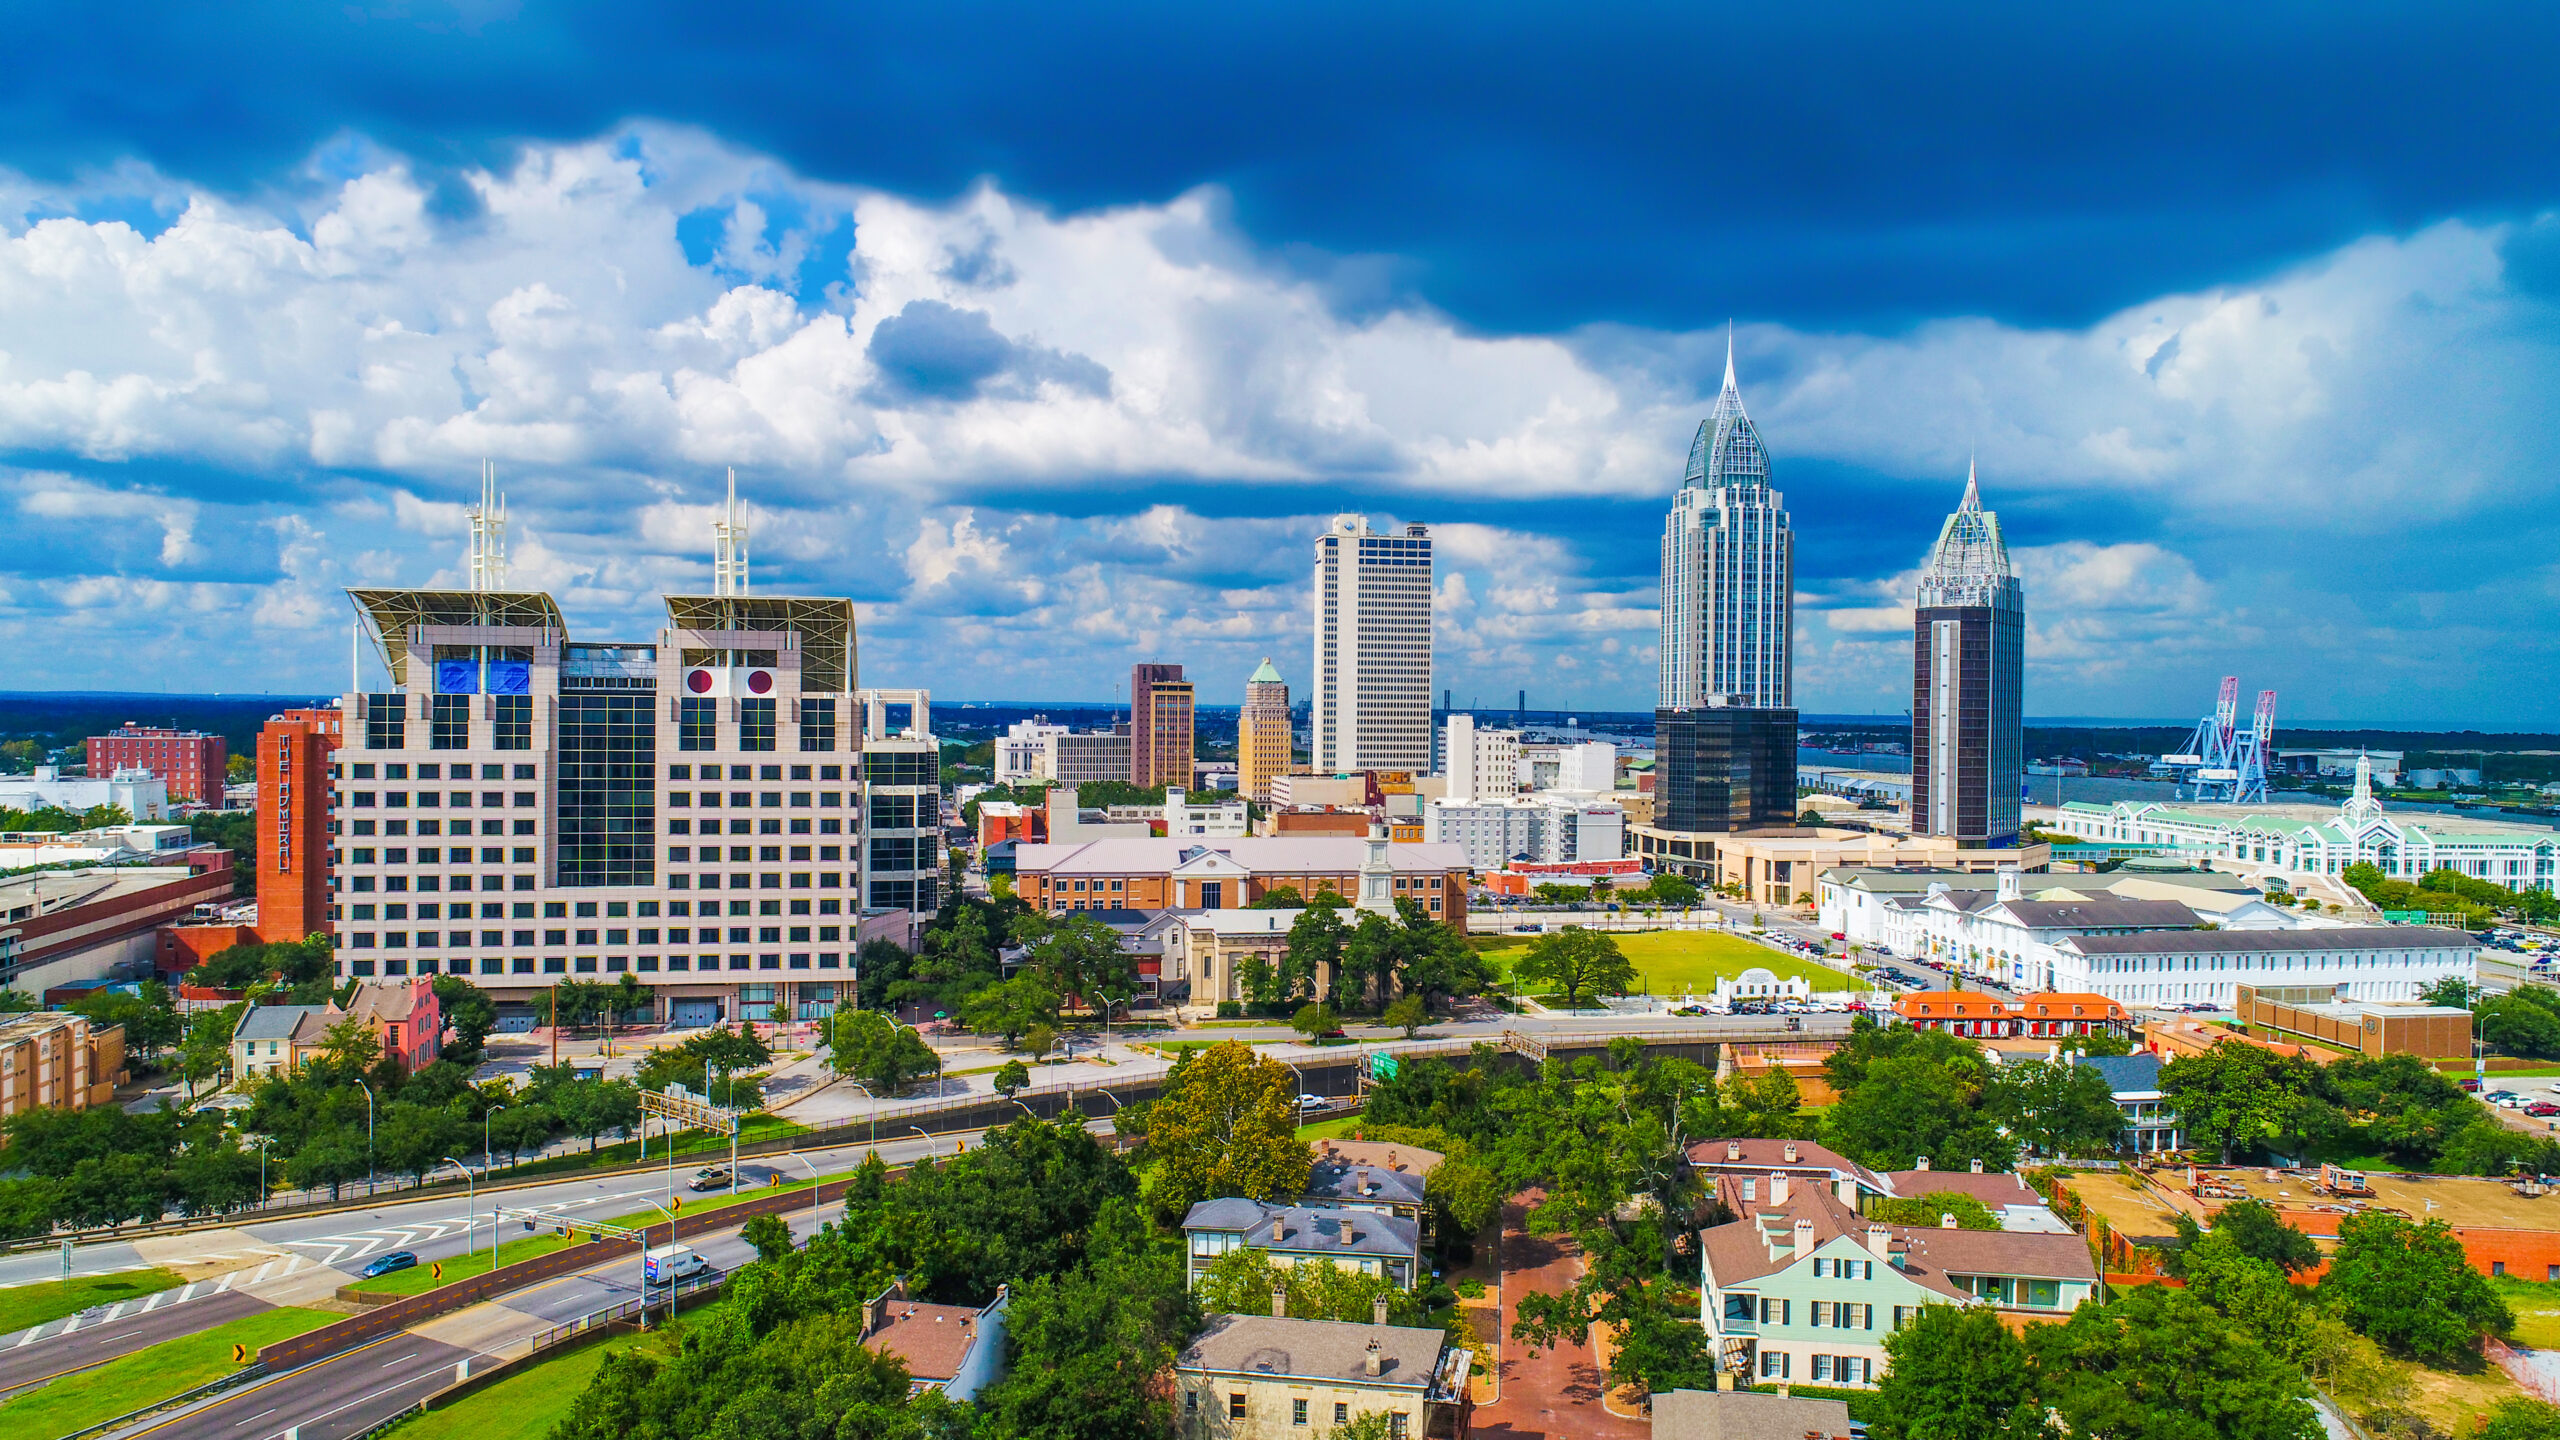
x=2057, y=1013
x=1958, y=1012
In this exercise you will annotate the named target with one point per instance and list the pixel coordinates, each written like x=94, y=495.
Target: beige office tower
x=1262, y=733
x=1371, y=708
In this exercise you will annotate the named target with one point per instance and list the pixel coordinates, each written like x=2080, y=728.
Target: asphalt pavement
x=297, y=1259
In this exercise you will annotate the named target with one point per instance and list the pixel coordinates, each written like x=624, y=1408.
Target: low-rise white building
x=1182, y=815
x=1542, y=829
x=2177, y=967
x=2306, y=840
x=1588, y=766
x=2010, y=935
x=1023, y=751
x=137, y=792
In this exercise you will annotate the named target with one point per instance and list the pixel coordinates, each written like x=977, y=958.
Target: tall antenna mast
x=729, y=545
x=489, y=535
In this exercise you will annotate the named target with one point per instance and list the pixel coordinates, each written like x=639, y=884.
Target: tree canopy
x=1226, y=1124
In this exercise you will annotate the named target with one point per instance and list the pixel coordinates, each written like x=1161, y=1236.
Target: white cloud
x=1005, y=429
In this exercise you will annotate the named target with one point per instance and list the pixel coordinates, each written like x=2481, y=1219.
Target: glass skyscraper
x=1728, y=571
x=1968, y=662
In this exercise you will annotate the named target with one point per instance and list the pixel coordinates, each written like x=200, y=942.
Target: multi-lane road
x=299, y=1259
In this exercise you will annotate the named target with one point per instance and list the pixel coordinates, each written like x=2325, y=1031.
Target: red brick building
x=295, y=752
x=191, y=763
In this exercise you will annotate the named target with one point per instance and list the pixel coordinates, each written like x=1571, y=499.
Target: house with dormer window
x=1805, y=1290
x=1371, y=1243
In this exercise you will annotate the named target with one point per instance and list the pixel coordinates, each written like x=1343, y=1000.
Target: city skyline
x=1048, y=395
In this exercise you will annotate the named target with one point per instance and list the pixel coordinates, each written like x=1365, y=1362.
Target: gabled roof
x=2103, y=914
x=2126, y=1074
x=278, y=1022
x=2217, y=942
x=1744, y=1415
x=1770, y=1157
x=1308, y=1230
x=1761, y=1245
x=1953, y=1005
x=1331, y=1351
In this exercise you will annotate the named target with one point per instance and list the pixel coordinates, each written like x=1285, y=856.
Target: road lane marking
x=189, y=1292
x=111, y=1314
x=226, y=1282
x=261, y=1415
x=387, y=1364
x=103, y=1339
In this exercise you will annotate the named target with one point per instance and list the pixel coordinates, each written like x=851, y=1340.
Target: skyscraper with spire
x=1968, y=664
x=1728, y=571
x=1725, y=726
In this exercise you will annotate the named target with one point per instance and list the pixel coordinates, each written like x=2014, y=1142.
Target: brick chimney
x=1804, y=1238
x=1977, y=1167
x=1946, y=1221
x=1278, y=1233
x=1923, y=1164
x=1373, y=1364
x=1777, y=1189
x=1733, y=1149
x=1880, y=1242
x=1378, y=1310
x=1791, y=1154
x=1279, y=1303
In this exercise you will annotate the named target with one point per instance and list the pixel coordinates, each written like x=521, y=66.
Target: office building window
x=893, y=812
x=755, y=724
x=818, y=723
x=449, y=726
x=608, y=789
x=915, y=769
x=386, y=720
x=514, y=723
x=697, y=723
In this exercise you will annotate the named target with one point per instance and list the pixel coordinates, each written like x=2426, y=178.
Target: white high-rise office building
x=1370, y=704
x=1728, y=571
x=1480, y=764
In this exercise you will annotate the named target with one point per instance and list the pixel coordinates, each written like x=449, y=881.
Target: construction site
x=2506, y=1226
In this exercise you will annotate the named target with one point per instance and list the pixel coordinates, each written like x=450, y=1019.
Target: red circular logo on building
x=698, y=681
x=760, y=681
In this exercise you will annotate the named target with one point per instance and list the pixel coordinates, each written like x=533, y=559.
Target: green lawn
x=1329, y=1129
x=1669, y=962
x=525, y=1405
x=26, y=1305
x=2537, y=1308
x=419, y=1279
x=130, y=1382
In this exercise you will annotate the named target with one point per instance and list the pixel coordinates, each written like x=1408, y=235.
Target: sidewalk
x=1552, y=1394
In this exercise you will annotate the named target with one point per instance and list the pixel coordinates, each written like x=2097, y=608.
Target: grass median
x=127, y=1383
x=421, y=1278
x=43, y=1300
x=525, y=1405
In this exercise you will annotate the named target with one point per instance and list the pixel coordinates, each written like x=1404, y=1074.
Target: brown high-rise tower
x=1159, y=727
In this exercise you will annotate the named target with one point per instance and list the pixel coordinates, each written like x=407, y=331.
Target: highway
x=352, y=1392
x=300, y=1259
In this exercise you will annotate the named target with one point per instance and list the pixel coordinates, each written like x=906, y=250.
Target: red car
x=2542, y=1109
x=2471, y=1085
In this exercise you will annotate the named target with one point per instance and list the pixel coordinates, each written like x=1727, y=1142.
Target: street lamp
x=928, y=1139
x=813, y=1189
x=644, y=1264
x=1027, y=1110
x=471, y=1214
x=488, y=1157
x=368, y=1134
x=875, y=1110
x=1106, y=1019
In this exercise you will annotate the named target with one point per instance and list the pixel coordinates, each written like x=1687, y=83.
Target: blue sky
x=1052, y=334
